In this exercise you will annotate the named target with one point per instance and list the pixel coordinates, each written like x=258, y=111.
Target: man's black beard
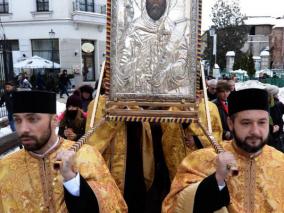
x=155, y=11
x=246, y=147
x=39, y=142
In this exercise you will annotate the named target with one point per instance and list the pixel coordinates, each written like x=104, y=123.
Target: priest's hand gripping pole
x=78, y=144
x=208, y=133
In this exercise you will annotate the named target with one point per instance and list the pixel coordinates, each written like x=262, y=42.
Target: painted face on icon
x=156, y=8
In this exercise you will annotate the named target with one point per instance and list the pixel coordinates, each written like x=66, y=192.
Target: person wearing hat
x=30, y=183
x=204, y=182
x=86, y=96
x=72, y=124
x=211, y=89
x=7, y=98
x=223, y=91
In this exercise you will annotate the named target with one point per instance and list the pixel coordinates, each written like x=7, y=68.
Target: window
x=88, y=59
x=46, y=48
x=11, y=45
x=4, y=6
x=87, y=5
x=252, y=30
x=42, y=5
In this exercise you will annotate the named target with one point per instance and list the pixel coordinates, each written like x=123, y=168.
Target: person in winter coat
x=223, y=92
x=7, y=98
x=64, y=81
x=86, y=96
x=72, y=123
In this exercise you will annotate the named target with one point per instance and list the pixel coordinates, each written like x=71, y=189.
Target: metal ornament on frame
x=152, y=59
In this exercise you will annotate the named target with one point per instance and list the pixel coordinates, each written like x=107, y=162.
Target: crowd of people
x=218, y=92
x=144, y=167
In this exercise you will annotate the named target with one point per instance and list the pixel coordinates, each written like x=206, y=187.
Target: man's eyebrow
x=262, y=119
x=247, y=119
x=30, y=114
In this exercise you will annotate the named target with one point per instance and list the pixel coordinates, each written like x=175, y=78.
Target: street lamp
x=213, y=34
x=216, y=68
x=4, y=53
x=52, y=35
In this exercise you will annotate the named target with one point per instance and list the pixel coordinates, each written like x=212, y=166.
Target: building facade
x=57, y=31
x=258, y=40
x=277, y=45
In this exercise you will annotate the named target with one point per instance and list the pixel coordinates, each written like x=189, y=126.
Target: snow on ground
x=281, y=94
x=60, y=107
x=5, y=131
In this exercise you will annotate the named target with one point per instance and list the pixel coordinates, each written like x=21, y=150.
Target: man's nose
x=23, y=127
x=255, y=129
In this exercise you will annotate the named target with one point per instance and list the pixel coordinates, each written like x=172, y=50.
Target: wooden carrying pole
x=78, y=144
x=208, y=117
x=208, y=133
x=97, y=95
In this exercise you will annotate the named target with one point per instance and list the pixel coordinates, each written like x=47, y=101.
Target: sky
x=274, y=8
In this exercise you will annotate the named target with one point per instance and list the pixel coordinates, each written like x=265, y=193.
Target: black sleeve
x=86, y=202
x=208, y=197
x=80, y=131
x=281, y=106
x=61, y=131
x=270, y=128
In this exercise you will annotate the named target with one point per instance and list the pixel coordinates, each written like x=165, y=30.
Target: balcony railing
x=80, y=5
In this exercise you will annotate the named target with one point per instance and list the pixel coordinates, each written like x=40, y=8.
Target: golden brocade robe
x=258, y=188
x=174, y=147
x=111, y=140
x=29, y=184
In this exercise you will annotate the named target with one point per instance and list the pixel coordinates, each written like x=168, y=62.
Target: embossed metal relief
x=153, y=49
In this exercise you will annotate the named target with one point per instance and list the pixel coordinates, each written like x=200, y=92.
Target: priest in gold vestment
x=180, y=140
x=204, y=183
x=28, y=180
x=134, y=157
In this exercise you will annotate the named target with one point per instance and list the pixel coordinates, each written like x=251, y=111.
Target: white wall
x=23, y=23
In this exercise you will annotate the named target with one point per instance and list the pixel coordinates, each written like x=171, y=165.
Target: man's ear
x=230, y=123
x=54, y=120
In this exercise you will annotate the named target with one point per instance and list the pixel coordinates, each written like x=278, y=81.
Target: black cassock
x=209, y=197
x=85, y=203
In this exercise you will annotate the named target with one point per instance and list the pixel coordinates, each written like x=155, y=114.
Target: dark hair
x=77, y=92
x=11, y=83
x=74, y=101
x=222, y=86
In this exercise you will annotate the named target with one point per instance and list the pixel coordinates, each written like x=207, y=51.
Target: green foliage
x=250, y=66
x=231, y=33
x=245, y=62
x=226, y=14
x=241, y=61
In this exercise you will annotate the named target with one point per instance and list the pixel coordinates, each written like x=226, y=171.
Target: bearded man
x=30, y=183
x=203, y=182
